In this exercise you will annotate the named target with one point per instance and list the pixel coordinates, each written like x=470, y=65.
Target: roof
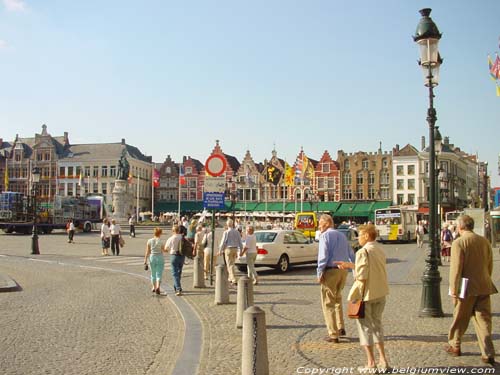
x=101, y=151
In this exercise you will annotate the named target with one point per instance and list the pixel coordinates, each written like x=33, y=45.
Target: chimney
x=184, y=158
x=422, y=143
x=123, y=141
x=446, y=141
x=66, y=139
x=1, y=142
x=397, y=148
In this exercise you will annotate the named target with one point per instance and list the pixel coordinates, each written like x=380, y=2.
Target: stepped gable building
x=365, y=175
x=406, y=169
x=327, y=176
x=305, y=188
x=4, y=146
x=192, y=190
x=92, y=169
x=273, y=179
x=169, y=181
x=248, y=179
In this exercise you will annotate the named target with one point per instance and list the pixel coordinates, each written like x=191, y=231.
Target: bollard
x=221, y=287
x=198, y=279
x=254, y=360
x=244, y=299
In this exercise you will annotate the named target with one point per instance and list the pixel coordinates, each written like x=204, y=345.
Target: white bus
x=395, y=224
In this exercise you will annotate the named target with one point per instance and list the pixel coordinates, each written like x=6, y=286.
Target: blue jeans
x=177, y=262
x=157, y=262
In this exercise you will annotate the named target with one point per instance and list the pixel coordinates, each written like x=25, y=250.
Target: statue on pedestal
x=123, y=167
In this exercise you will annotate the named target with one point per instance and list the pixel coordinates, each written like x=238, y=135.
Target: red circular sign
x=215, y=165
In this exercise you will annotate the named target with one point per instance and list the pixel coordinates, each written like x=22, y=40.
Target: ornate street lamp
x=427, y=37
x=35, y=179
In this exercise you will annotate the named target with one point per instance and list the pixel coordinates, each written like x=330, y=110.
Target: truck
x=17, y=213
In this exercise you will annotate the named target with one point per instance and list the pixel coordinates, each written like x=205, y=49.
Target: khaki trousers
x=331, y=300
x=230, y=254
x=478, y=307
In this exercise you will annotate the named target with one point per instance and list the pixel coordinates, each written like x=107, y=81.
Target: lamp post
x=427, y=37
x=35, y=179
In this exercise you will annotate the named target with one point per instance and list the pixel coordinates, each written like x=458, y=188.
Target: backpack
x=447, y=235
x=186, y=248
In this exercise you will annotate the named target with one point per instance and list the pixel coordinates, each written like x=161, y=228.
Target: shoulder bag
x=356, y=309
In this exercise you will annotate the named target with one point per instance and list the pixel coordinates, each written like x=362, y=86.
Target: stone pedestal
x=122, y=201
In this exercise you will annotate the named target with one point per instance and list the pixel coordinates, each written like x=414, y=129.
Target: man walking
x=229, y=246
x=333, y=247
x=470, y=287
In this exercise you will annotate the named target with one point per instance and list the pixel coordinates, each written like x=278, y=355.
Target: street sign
x=214, y=184
x=215, y=165
x=213, y=201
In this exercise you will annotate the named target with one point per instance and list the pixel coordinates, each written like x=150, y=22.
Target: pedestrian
x=191, y=231
x=333, y=247
x=470, y=287
x=446, y=240
x=71, y=230
x=250, y=248
x=131, y=223
x=198, y=241
x=173, y=246
x=207, y=254
x=105, y=237
x=116, y=233
x=154, y=253
x=419, y=233
x=371, y=286
x=229, y=246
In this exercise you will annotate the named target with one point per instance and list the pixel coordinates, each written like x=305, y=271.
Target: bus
x=451, y=217
x=395, y=224
x=307, y=223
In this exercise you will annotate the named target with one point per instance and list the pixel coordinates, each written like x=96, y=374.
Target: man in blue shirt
x=333, y=247
x=230, y=245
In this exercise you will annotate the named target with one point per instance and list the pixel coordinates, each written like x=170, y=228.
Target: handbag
x=356, y=309
x=122, y=242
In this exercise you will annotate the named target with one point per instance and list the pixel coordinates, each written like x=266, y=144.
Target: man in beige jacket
x=470, y=287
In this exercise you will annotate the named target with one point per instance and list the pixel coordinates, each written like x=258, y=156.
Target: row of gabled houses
x=359, y=179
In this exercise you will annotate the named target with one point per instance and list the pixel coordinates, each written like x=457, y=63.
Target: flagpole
x=302, y=185
x=179, y=199
x=152, y=191
x=137, y=200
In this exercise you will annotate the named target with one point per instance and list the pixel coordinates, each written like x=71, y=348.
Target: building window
x=95, y=187
x=78, y=171
x=104, y=171
x=331, y=183
x=411, y=199
x=364, y=164
x=70, y=190
x=189, y=170
x=400, y=170
x=62, y=172
x=385, y=163
x=359, y=192
x=95, y=171
x=347, y=193
x=411, y=184
x=87, y=171
x=400, y=184
x=321, y=182
x=400, y=199
x=371, y=178
x=39, y=156
x=70, y=172
x=371, y=192
x=168, y=170
x=411, y=170
x=347, y=179
x=384, y=177
x=112, y=171
x=104, y=188
x=325, y=168
x=18, y=156
x=347, y=165
x=46, y=155
x=359, y=178
x=384, y=193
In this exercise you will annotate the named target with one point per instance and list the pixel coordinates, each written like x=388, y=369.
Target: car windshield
x=265, y=236
x=345, y=232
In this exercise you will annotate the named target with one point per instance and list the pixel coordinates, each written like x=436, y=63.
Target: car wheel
x=87, y=228
x=283, y=263
x=242, y=268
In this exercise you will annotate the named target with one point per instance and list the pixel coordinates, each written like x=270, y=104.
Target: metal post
x=431, y=279
x=35, y=249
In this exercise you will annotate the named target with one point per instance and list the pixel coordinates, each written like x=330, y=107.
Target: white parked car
x=281, y=249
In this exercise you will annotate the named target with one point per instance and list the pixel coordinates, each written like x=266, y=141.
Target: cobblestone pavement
x=91, y=335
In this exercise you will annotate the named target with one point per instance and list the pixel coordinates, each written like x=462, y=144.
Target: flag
x=498, y=90
x=130, y=178
x=495, y=69
x=289, y=175
x=273, y=174
x=298, y=170
x=248, y=178
x=182, y=179
x=156, y=178
x=491, y=68
x=80, y=179
x=307, y=168
x=6, y=177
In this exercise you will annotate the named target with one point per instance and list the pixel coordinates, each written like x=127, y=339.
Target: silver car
x=282, y=248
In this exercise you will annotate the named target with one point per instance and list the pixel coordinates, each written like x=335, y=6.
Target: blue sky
x=171, y=77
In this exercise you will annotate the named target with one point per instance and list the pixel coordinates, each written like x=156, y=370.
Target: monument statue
x=123, y=167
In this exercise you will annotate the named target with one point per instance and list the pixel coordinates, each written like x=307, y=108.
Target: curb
x=7, y=284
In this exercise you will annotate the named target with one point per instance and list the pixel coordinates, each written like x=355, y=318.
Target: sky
x=171, y=77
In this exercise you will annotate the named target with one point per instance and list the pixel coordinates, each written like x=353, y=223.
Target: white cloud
x=14, y=5
x=3, y=44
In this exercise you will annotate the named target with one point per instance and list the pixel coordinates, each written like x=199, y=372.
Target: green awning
x=345, y=210
x=362, y=209
x=187, y=206
x=376, y=205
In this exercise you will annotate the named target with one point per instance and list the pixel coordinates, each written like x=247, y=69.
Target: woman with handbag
x=370, y=286
x=154, y=253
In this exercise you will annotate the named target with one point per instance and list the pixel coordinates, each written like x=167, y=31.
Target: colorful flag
x=248, y=178
x=490, y=68
x=80, y=179
x=298, y=170
x=289, y=175
x=156, y=178
x=495, y=69
x=130, y=178
x=6, y=177
x=273, y=174
x=307, y=168
x=498, y=90
x=182, y=179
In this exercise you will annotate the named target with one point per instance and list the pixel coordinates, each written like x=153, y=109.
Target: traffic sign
x=214, y=184
x=213, y=201
x=215, y=165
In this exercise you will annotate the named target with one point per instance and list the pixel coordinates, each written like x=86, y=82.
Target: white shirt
x=251, y=244
x=173, y=242
x=71, y=226
x=105, y=231
x=115, y=229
